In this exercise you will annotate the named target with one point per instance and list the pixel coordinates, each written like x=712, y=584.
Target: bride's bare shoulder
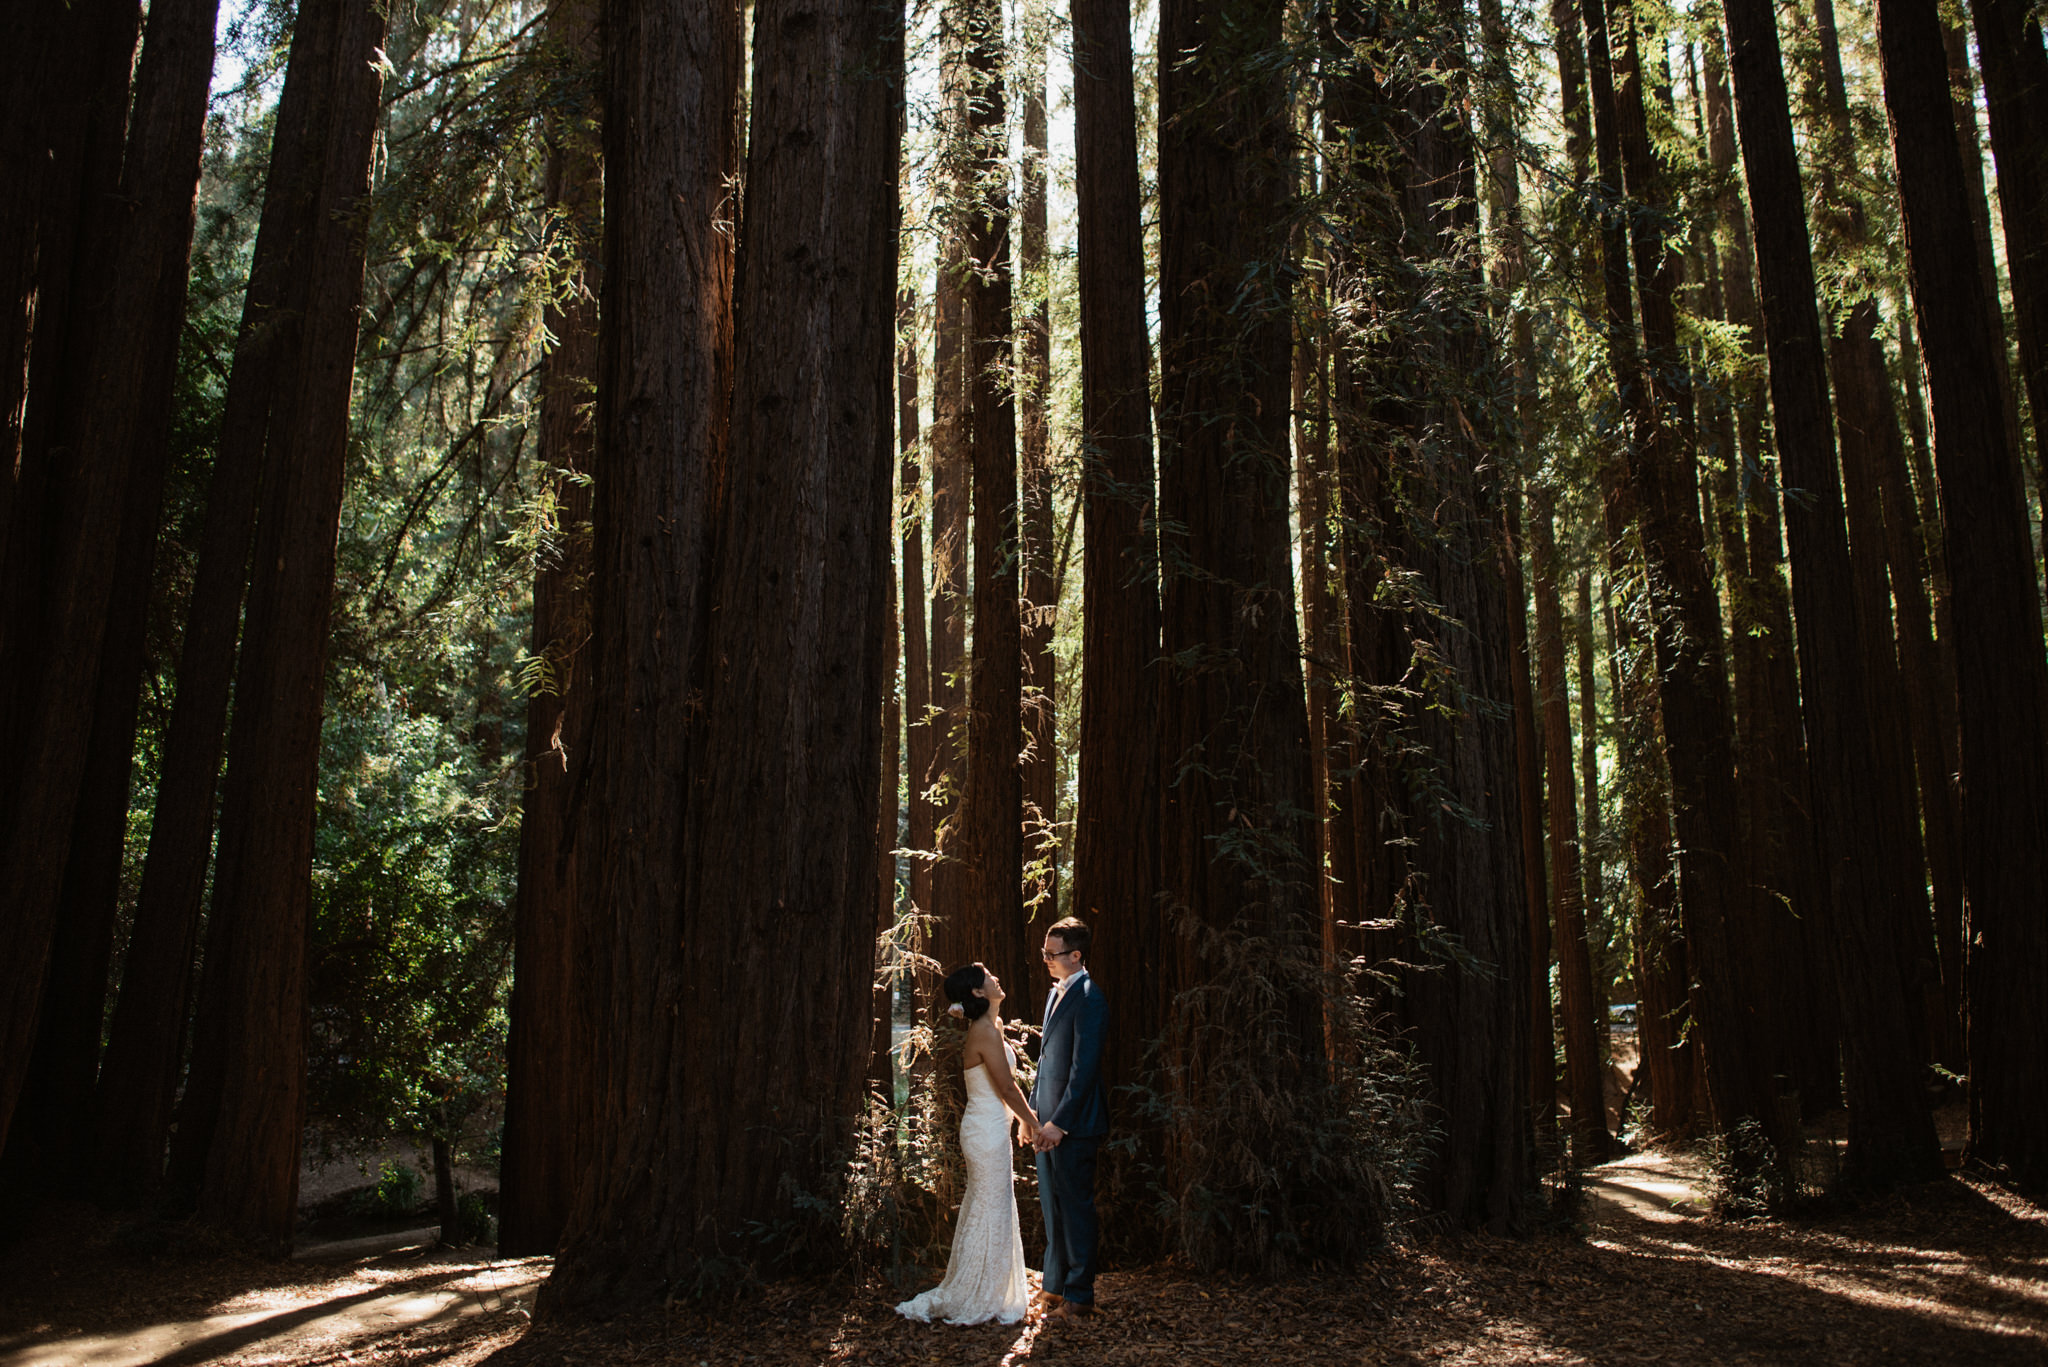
x=983, y=1041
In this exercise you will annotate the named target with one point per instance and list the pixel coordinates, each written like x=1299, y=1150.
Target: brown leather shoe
x=1073, y=1311
x=1045, y=1301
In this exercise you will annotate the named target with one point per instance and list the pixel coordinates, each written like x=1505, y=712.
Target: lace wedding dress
x=985, y=1276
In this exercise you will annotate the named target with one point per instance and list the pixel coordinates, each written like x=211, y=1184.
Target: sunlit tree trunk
x=913, y=518
x=947, y=444
x=1034, y=396
x=670, y=93
x=551, y=1055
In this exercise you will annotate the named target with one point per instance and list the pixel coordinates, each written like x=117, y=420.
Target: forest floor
x=1953, y=1272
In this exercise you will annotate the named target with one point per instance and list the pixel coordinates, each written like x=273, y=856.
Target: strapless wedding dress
x=985, y=1276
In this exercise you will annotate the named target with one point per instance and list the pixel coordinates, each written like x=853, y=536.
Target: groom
x=1073, y=1115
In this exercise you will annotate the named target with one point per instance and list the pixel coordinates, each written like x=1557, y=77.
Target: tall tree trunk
x=1962, y=85
x=551, y=1055
x=2001, y=677
x=145, y=1047
x=1320, y=605
x=792, y=704
x=1427, y=497
x=1504, y=197
x=913, y=519
x=670, y=95
x=1590, y=820
x=1116, y=835
x=69, y=451
x=1868, y=433
x=239, y=1129
x=1234, y=834
x=1770, y=745
x=1869, y=895
x=67, y=75
x=1579, y=1002
x=989, y=924
x=132, y=373
x=889, y=819
x=1661, y=488
x=951, y=499
x=1034, y=396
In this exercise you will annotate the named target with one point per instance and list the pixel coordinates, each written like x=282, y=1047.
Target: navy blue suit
x=1069, y=1093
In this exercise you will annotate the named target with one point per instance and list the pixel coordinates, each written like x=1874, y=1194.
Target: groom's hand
x=1049, y=1136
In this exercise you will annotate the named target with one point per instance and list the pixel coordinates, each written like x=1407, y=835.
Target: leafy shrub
x=475, y=1220
x=396, y=1194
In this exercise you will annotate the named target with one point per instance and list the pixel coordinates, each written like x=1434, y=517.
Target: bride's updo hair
x=960, y=985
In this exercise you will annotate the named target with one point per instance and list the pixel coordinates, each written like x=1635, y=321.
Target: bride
x=985, y=1276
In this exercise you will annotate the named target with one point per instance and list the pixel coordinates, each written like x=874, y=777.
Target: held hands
x=1027, y=1133
x=1048, y=1137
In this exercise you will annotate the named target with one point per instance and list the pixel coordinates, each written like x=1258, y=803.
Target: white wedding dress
x=985, y=1276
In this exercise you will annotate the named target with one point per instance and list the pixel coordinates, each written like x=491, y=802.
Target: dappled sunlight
x=340, y=1311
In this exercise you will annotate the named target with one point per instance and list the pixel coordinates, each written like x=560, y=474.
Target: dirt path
x=1956, y=1272
x=373, y=1300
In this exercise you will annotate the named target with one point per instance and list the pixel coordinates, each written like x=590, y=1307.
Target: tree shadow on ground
x=79, y=1290
x=1955, y=1272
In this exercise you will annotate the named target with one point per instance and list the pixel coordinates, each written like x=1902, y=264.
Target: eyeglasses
x=1050, y=954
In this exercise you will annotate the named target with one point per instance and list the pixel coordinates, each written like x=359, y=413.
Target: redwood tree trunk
x=701, y=1143
x=1770, y=744
x=66, y=81
x=145, y=1047
x=1116, y=836
x=551, y=1057
x=2002, y=681
x=1034, y=395
x=83, y=345
x=1425, y=503
x=132, y=379
x=990, y=925
x=240, y=1126
x=792, y=707
x=1234, y=815
x=913, y=519
x=946, y=777
x=670, y=93
x=1686, y=624
x=1579, y=1003
x=1868, y=432
x=1891, y=1134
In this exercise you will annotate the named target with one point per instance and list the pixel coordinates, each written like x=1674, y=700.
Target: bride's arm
x=1005, y=1083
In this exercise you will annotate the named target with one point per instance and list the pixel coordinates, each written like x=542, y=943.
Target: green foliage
x=411, y=917
x=396, y=1195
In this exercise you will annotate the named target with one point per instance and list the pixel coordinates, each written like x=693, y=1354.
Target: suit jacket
x=1069, y=1091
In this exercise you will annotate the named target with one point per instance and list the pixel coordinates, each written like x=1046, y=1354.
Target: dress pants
x=1066, y=1192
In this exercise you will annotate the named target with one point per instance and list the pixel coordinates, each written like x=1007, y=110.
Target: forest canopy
x=560, y=562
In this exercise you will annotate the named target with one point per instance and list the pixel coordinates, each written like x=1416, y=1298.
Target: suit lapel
x=1052, y=1002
